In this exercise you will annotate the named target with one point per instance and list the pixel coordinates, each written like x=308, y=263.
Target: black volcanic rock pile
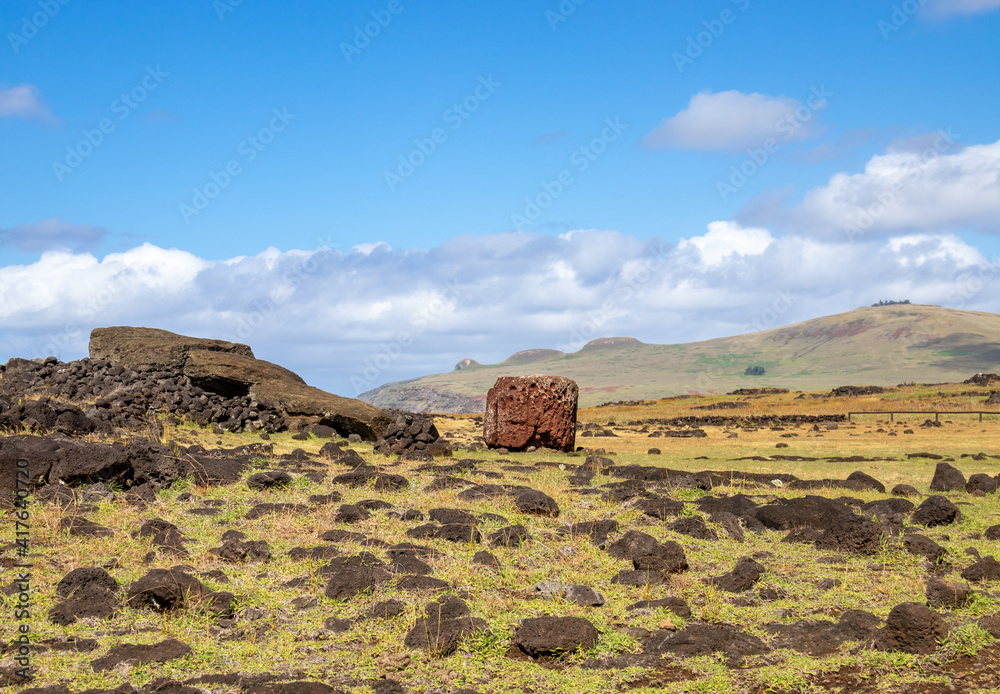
x=38, y=394
x=125, y=397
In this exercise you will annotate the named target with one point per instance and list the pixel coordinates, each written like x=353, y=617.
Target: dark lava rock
x=981, y=482
x=730, y=524
x=667, y=557
x=632, y=544
x=88, y=600
x=447, y=622
x=803, y=535
x=986, y=569
x=536, y=503
x=705, y=639
x=867, y=481
x=660, y=507
x=738, y=504
x=923, y=546
x=944, y=594
x=484, y=558
x=991, y=624
x=904, y=490
x=581, y=595
x=350, y=514
x=822, y=637
x=235, y=551
x=804, y=512
x=265, y=509
x=453, y=532
x=298, y=687
x=911, y=628
x=947, y=478
x=883, y=508
x=165, y=589
x=267, y=480
x=132, y=654
x=597, y=531
x=511, y=536
x=741, y=578
x=409, y=564
x=676, y=605
x=363, y=475
x=554, y=636
x=936, y=510
x=992, y=532
x=851, y=533
x=348, y=576
x=694, y=526
x=446, y=516
x=386, y=610
x=78, y=578
x=337, y=625
x=421, y=584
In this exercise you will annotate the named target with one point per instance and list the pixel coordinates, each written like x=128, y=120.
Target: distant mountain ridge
x=875, y=345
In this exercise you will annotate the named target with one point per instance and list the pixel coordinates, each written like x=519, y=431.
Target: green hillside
x=883, y=345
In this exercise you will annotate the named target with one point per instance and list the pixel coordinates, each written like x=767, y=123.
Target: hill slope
x=883, y=345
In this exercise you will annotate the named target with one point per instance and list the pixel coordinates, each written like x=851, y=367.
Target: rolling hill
x=883, y=345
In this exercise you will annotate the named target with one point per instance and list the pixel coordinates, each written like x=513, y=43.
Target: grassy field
x=281, y=607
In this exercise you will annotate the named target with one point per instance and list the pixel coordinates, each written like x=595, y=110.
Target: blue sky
x=317, y=179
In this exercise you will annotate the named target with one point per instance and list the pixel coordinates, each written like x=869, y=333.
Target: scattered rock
x=947, y=478
x=554, y=636
x=936, y=510
x=911, y=628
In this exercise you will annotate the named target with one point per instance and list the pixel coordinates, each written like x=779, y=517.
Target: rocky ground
x=174, y=557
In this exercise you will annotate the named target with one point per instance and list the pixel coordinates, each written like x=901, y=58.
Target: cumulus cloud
x=350, y=321
x=726, y=239
x=24, y=101
x=922, y=185
x=52, y=233
x=731, y=120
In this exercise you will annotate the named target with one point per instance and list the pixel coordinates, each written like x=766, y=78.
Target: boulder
x=947, y=478
x=154, y=349
x=553, y=636
x=911, y=628
x=231, y=370
x=524, y=411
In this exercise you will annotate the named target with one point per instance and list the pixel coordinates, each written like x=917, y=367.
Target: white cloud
x=24, y=101
x=350, y=321
x=905, y=191
x=725, y=239
x=732, y=120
